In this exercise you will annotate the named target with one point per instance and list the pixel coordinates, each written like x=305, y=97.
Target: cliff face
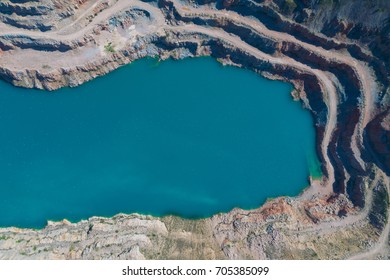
x=365, y=21
x=39, y=15
x=334, y=52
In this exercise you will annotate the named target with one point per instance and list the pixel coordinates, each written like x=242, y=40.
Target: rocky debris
x=120, y=237
x=379, y=216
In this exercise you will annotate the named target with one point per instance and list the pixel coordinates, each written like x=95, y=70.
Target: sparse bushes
x=109, y=47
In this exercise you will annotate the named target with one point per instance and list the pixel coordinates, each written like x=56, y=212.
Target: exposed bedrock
x=8, y=8
x=339, y=74
x=375, y=33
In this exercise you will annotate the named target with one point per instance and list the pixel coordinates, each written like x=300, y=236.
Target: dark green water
x=189, y=137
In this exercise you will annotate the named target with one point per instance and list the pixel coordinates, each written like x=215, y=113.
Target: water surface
x=187, y=137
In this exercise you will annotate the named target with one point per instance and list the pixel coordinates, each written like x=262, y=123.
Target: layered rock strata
x=340, y=71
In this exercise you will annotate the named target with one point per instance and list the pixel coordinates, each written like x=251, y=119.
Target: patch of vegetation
x=380, y=10
x=310, y=254
x=3, y=237
x=45, y=66
x=18, y=241
x=326, y=2
x=379, y=215
x=109, y=47
x=289, y=6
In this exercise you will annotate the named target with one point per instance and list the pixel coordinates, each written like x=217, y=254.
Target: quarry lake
x=189, y=137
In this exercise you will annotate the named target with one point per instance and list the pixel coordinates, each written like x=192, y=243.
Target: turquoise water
x=188, y=137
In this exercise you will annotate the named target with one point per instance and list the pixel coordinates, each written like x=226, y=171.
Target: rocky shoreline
x=342, y=79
